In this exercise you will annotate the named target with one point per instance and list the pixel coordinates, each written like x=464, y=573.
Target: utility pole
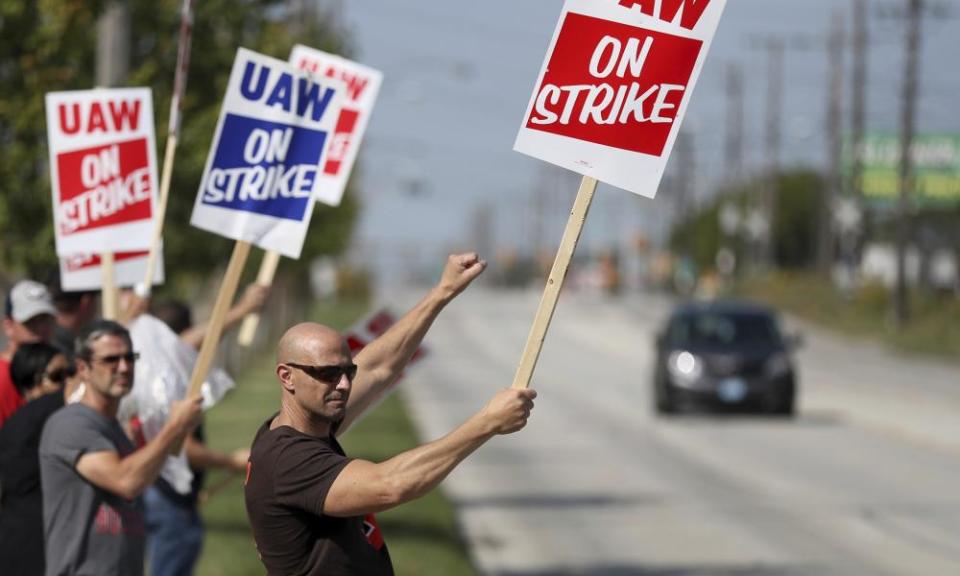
x=734, y=140
x=907, y=120
x=113, y=63
x=684, y=177
x=859, y=93
x=774, y=109
x=831, y=191
x=850, y=234
x=113, y=44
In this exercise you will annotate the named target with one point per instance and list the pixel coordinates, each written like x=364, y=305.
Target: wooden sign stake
x=108, y=295
x=161, y=209
x=268, y=269
x=211, y=339
x=548, y=302
x=173, y=133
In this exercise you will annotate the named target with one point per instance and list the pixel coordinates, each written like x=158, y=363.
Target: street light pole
x=831, y=190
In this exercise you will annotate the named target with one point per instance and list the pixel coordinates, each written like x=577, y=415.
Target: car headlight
x=685, y=367
x=778, y=365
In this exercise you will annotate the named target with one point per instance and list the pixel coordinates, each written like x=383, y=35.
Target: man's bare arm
x=129, y=477
x=364, y=487
x=382, y=361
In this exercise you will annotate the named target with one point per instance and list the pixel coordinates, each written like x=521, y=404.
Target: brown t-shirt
x=288, y=477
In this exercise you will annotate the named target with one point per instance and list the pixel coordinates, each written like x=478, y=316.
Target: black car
x=727, y=355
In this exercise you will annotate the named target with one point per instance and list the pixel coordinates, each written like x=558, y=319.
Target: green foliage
x=796, y=222
x=933, y=330
x=50, y=45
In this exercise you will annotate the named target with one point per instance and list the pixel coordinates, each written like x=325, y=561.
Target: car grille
x=731, y=365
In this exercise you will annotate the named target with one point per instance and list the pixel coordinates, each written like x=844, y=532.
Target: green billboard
x=936, y=169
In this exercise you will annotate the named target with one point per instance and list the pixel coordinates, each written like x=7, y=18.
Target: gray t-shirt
x=88, y=530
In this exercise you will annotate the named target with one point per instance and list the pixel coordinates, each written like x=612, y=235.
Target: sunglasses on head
x=330, y=374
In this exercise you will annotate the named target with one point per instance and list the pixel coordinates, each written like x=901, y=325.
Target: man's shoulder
x=73, y=419
x=285, y=447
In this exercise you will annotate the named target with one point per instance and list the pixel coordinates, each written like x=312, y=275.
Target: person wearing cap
x=29, y=317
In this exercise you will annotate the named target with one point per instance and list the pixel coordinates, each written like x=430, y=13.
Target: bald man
x=312, y=507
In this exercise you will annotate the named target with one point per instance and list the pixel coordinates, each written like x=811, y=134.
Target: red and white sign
x=82, y=271
x=371, y=327
x=103, y=169
x=615, y=85
x=362, y=85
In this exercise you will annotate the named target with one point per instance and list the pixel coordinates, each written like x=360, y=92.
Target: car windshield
x=723, y=329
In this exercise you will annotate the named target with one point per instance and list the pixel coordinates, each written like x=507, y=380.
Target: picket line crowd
x=91, y=480
x=63, y=376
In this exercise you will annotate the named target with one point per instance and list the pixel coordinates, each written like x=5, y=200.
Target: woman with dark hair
x=43, y=375
x=38, y=369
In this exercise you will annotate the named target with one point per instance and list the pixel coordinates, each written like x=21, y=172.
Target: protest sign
x=103, y=169
x=612, y=91
x=82, y=271
x=261, y=174
x=361, y=84
x=373, y=326
x=260, y=179
x=615, y=85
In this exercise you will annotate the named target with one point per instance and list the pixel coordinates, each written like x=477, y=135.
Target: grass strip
x=934, y=327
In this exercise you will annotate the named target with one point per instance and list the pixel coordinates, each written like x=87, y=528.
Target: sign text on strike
x=614, y=84
x=107, y=186
x=602, y=103
x=266, y=166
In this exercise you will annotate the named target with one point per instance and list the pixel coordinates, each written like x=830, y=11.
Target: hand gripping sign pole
x=362, y=84
x=173, y=136
x=608, y=104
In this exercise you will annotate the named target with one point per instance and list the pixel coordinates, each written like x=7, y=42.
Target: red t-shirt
x=10, y=399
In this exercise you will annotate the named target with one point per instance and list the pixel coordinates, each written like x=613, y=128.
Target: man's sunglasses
x=329, y=374
x=114, y=359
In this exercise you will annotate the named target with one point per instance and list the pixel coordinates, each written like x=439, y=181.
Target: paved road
x=863, y=482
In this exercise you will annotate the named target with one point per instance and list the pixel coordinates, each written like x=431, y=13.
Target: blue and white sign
x=264, y=165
